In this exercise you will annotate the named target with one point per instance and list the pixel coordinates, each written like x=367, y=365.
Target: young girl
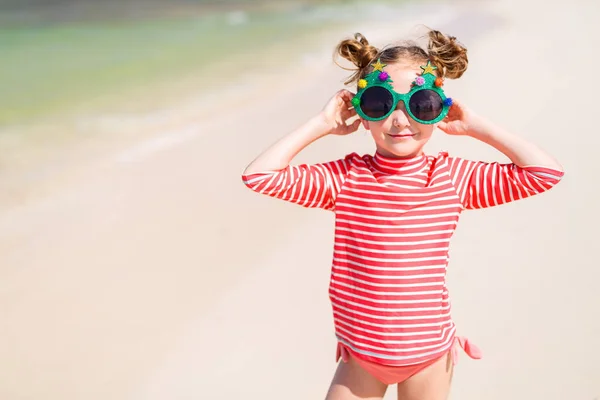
x=396, y=210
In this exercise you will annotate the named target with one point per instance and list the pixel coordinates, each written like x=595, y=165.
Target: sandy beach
x=146, y=270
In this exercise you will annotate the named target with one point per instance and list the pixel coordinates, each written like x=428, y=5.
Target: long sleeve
x=311, y=186
x=482, y=184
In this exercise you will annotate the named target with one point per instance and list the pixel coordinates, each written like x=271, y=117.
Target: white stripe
x=292, y=196
x=394, y=209
x=407, y=218
x=288, y=196
x=402, y=201
x=384, y=191
x=394, y=268
x=349, y=195
x=386, y=234
x=443, y=173
x=500, y=188
x=405, y=182
x=382, y=277
x=396, y=326
x=302, y=197
x=494, y=184
x=486, y=177
x=511, y=195
x=520, y=189
x=270, y=187
x=398, y=226
x=478, y=190
x=544, y=175
x=467, y=172
x=359, y=328
x=528, y=184
x=367, y=174
x=386, y=285
x=367, y=250
x=391, y=310
x=407, y=169
x=444, y=318
x=388, y=243
x=423, y=303
x=395, y=260
x=314, y=184
x=398, y=293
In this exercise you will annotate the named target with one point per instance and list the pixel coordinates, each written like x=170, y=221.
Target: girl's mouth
x=401, y=135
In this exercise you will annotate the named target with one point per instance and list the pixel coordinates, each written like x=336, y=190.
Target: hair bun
x=359, y=52
x=447, y=54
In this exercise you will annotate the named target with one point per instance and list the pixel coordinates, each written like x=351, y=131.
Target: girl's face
x=398, y=135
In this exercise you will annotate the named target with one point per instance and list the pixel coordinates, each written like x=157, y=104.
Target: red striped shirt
x=393, y=224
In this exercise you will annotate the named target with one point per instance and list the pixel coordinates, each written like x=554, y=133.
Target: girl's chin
x=403, y=149
x=400, y=153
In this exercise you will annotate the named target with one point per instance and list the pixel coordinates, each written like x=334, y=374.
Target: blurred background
x=135, y=265
x=65, y=56
x=76, y=71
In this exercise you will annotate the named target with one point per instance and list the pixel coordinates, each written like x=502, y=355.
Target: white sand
x=158, y=275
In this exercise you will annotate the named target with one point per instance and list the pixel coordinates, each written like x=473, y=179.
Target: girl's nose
x=400, y=118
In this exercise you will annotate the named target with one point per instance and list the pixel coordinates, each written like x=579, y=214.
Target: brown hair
x=444, y=52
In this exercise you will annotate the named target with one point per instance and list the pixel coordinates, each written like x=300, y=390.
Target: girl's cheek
x=378, y=126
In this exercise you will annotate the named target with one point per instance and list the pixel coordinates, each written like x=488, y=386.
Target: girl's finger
x=348, y=105
x=349, y=111
x=348, y=114
x=454, y=115
x=347, y=95
x=354, y=125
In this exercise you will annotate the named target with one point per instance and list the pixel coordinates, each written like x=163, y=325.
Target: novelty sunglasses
x=426, y=102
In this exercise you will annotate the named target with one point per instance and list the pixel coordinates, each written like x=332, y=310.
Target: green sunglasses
x=426, y=102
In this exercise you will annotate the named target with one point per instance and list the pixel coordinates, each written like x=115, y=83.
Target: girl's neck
x=391, y=156
x=409, y=164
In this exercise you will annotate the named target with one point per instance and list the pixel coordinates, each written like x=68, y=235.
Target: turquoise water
x=50, y=68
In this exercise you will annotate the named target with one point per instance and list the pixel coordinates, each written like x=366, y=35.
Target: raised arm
x=279, y=155
x=308, y=185
x=487, y=184
x=520, y=151
x=482, y=184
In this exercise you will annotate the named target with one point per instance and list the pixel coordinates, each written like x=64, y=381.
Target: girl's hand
x=337, y=112
x=459, y=121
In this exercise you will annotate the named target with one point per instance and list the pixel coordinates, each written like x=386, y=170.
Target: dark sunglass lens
x=426, y=105
x=376, y=102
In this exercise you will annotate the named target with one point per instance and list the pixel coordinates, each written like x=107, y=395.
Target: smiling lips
x=401, y=135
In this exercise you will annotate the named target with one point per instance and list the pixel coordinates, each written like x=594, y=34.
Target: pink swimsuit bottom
x=390, y=375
